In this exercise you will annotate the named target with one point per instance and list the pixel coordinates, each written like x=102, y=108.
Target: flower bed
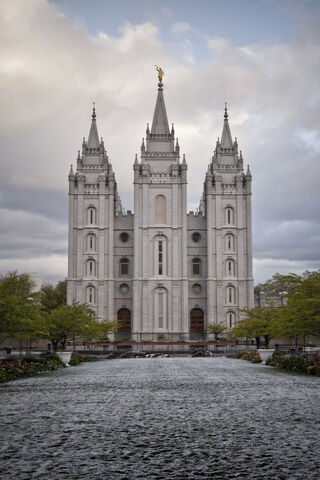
x=299, y=364
x=78, y=358
x=13, y=369
x=252, y=357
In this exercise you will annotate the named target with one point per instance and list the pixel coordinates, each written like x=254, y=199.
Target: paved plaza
x=161, y=418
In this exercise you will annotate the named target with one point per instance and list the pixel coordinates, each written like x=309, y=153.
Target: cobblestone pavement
x=161, y=418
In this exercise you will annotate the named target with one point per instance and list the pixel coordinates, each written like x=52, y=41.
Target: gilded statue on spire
x=160, y=73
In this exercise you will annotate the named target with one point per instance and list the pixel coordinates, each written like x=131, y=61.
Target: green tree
x=216, y=328
x=53, y=297
x=257, y=323
x=278, y=284
x=70, y=323
x=19, y=310
x=301, y=316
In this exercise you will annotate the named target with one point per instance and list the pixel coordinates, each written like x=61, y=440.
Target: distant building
x=163, y=272
x=262, y=300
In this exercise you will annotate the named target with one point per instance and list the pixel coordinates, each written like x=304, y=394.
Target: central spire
x=226, y=139
x=93, y=139
x=160, y=125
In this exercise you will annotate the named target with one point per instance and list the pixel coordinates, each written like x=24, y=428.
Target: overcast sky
x=261, y=56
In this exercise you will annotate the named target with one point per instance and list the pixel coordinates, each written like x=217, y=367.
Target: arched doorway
x=196, y=324
x=124, y=329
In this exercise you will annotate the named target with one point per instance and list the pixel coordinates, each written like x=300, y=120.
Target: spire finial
x=94, y=111
x=225, y=111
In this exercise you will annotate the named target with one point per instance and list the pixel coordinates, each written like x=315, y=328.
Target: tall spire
x=226, y=139
x=93, y=139
x=160, y=123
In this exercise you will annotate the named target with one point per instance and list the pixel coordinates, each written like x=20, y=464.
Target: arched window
x=160, y=209
x=230, y=295
x=231, y=319
x=91, y=295
x=160, y=255
x=230, y=268
x=229, y=242
x=91, y=242
x=124, y=266
x=92, y=216
x=91, y=268
x=196, y=266
x=160, y=304
x=229, y=216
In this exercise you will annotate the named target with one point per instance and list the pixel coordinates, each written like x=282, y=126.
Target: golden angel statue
x=160, y=73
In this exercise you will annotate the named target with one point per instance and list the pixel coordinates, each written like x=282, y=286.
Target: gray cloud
x=50, y=72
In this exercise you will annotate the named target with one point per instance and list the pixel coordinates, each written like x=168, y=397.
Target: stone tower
x=227, y=208
x=160, y=282
x=93, y=205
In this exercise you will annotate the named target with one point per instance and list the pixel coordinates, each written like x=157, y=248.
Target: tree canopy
x=19, y=310
x=278, y=284
x=257, y=323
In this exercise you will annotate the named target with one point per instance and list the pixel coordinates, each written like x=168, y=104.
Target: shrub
x=77, y=358
x=13, y=369
x=300, y=364
x=252, y=357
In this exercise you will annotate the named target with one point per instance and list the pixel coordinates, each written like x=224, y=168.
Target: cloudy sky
x=58, y=56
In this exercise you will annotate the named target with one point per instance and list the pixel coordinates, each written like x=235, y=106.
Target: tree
x=278, y=284
x=301, y=316
x=70, y=323
x=19, y=310
x=256, y=324
x=216, y=328
x=53, y=297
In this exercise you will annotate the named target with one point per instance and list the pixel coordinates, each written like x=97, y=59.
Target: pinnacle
x=226, y=139
x=160, y=123
x=93, y=139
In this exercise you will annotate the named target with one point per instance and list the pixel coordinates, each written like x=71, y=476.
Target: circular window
x=124, y=237
x=196, y=237
x=196, y=288
x=124, y=289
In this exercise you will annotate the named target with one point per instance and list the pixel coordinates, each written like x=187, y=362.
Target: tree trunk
x=266, y=341
x=258, y=342
x=54, y=345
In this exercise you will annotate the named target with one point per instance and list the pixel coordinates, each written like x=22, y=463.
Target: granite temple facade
x=162, y=272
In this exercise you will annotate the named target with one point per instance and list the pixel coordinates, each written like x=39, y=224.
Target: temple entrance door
x=124, y=329
x=196, y=324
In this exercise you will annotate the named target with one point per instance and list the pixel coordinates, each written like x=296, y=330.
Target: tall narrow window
x=124, y=266
x=229, y=216
x=196, y=266
x=231, y=322
x=160, y=209
x=91, y=216
x=91, y=268
x=160, y=311
x=229, y=243
x=91, y=242
x=91, y=295
x=160, y=257
x=230, y=294
x=160, y=308
x=230, y=268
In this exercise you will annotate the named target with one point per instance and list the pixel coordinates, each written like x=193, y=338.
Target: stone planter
x=265, y=353
x=64, y=357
